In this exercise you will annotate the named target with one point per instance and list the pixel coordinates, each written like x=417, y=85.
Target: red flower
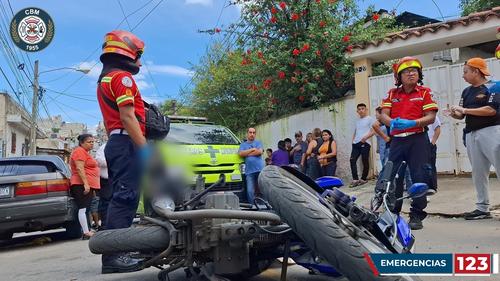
x=293, y=79
x=375, y=17
x=281, y=75
x=304, y=12
x=217, y=30
x=346, y=38
x=318, y=1
x=302, y=98
x=331, y=1
x=267, y=84
x=349, y=48
x=301, y=89
x=295, y=16
x=273, y=20
x=318, y=53
x=260, y=55
x=293, y=64
x=244, y=62
x=305, y=48
x=322, y=23
x=282, y=5
x=296, y=52
x=249, y=52
x=273, y=10
x=264, y=61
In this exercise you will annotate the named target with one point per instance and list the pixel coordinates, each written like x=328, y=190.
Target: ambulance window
x=200, y=134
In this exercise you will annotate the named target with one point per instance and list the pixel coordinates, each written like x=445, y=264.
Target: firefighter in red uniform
x=408, y=109
x=123, y=113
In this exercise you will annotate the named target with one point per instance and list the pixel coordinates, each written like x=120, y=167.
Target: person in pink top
x=84, y=179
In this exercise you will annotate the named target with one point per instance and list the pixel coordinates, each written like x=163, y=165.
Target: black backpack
x=157, y=125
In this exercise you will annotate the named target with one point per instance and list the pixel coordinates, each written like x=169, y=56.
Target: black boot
x=120, y=263
x=415, y=223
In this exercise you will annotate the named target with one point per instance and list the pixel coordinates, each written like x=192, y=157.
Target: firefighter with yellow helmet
x=407, y=110
x=123, y=114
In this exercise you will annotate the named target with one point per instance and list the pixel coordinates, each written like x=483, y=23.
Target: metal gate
x=447, y=84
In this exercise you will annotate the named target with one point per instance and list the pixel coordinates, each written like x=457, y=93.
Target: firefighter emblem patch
x=32, y=29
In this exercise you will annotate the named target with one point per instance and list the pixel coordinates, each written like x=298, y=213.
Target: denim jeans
x=251, y=181
x=384, y=154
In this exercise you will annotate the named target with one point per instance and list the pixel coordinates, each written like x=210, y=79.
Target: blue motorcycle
x=336, y=232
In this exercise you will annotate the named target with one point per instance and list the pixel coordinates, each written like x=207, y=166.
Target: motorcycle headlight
x=242, y=169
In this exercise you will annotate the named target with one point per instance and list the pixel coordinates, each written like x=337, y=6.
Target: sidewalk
x=455, y=196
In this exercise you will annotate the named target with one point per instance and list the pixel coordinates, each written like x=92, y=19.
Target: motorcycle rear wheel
x=298, y=205
x=133, y=239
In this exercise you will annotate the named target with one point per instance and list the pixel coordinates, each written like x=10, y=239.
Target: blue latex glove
x=401, y=124
x=144, y=152
x=393, y=123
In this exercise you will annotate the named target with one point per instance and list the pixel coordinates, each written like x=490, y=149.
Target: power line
x=145, y=64
x=96, y=49
x=144, y=18
x=68, y=95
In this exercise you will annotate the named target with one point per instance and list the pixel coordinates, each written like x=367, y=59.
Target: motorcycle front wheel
x=298, y=205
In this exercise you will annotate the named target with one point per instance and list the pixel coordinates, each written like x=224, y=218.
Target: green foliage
x=472, y=6
x=289, y=55
x=174, y=107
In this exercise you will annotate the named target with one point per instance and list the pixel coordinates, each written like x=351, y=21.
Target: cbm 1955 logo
x=32, y=29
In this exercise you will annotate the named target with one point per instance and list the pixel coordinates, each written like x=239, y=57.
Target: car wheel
x=6, y=236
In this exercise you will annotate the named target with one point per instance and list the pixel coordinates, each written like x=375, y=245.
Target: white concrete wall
x=340, y=121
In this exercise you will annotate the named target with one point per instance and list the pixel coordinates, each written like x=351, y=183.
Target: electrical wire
x=69, y=95
x=96, y=49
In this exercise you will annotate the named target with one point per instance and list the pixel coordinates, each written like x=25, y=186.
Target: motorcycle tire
x=132, y=239
x=298, y=205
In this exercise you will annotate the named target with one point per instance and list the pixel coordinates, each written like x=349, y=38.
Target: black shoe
x=415, y=223
x=120, y=264
x=477, y=215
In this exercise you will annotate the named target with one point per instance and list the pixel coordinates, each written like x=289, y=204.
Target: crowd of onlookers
x=316, y=156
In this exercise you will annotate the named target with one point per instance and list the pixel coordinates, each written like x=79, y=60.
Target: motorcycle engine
x=227, y=240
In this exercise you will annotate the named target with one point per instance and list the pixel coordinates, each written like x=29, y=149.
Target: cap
x=480, y=64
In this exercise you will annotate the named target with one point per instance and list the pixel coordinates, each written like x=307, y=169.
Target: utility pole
x=34, y=111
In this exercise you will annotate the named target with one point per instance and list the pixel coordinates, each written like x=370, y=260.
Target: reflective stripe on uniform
x=387, y=104
x=430, y=105
x=106, y=79
x=124, y=98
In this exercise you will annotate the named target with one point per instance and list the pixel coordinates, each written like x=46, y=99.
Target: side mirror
x=417, y=190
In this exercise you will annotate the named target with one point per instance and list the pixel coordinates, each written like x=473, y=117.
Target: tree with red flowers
x=297, y=58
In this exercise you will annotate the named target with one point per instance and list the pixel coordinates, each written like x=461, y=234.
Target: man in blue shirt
x=252, y=150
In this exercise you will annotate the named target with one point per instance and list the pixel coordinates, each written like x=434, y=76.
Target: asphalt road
x=48, y=257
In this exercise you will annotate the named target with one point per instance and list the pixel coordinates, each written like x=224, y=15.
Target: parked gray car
x=34, y=195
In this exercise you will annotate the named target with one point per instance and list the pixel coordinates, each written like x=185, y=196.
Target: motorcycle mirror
x=416, y=190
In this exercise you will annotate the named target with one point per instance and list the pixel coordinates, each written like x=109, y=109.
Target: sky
x=170, y=32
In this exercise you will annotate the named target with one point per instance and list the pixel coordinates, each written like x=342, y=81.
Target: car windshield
x=19, y=169
x=200, y=134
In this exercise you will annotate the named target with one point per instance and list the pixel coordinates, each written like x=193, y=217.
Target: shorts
x=94, y=204
x=82, y=200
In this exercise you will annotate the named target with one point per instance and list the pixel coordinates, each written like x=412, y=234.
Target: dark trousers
x=415, y=150
x=104, y=194
x=124, y=176
x=432, y=162
x=329, y=169
x=358, y=149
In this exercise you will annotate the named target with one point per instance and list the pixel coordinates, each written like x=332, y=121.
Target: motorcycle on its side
x=214, y=236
